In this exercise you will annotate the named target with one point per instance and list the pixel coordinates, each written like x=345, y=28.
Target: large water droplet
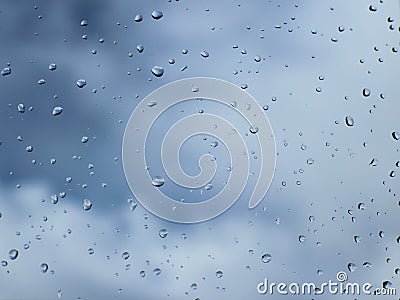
x=57, y=110
x=81, y=83
x=157, y=181
x=156, y=14
x=87, y=204
x=163, y=233
x=349, y=121
x=140, y=48
x=6, y=71
x=266, y=258
x=13, y=254
x=44, y=267
x=138, y=18
x=54, y=199
x=157, y=71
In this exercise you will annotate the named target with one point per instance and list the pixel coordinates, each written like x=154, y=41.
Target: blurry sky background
x=326, y=73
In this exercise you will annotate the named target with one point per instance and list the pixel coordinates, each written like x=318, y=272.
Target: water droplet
x=266, y=258
x=44, y=267
x=253, y=129
x=219, y=274
x=6, y=71
x=13, y=254
x=204, y=54
x=138, y=18
x=52, y=67
x=140, y=48
x=84, y=23
x=373, y=8
x=381, y=234
x=208, y=186
x=163, y=233
x=91, y=251
x=157, y=271
x=156, y=14
x=257, y=58
x=84, y=139
x=366, y=92
x=152, y=103
x=349, y=121
x=302, y=238
x=125, y=255
x=41, y=81
x=171, y=61
x=142, y=274
x=185, y=51
x=374, y=162
x=386, y=284
x=310, y=161
x=21, y=108
x=392, y=174
x=59, y=293
x=54, y=199
x=87, y=204
x=396, y=135
x=157, y=71
x=214, y=144
x=193, y=286
x=4, y=263
x=357, y=239
x=397, y=271
x=158, y=181
x=81, y=83
x=29, y=148
x=351, y=267
x=57, y=110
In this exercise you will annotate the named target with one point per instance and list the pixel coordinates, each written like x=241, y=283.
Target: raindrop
x=138, y=18
x=44, y=267
x=21, y=108
x=152, y=103
x=386, y=284
x=59, y=293
x=185, y=51
x=6, y=71
x=157, y=271
x=193, y=286
x=163, y=233
x=157, y=71
x=91, y=251
x=349, y=121
x=81, y=83
x=219, y=274
x=374, y=162
x=253, y=129
x=310, y=161
x=257, y=58
x=381, y=234
x=208, y=186
x=158, y=181
x=366, y=92
x=396, y=135
x=171, y=61
x=157, y=14
x=392, y=174
x=266, y=258
x=54, y=199
x=351, y=267
x=372, y=8
x=29, y=148
x=204, y=54
x=57, y=110
x=87, y=204
x=361, y=206
x=4, y=263
x=41, y=81
x=84, y=139
x=142, y=274
x=357, y=239
x=13, y=254
x=84, y=23
x=52, y=67
x=125, y=255
x=302, y=238
x=397, y=271
x=140, y=48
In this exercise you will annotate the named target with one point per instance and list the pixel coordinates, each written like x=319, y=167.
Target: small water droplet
x=138, y=18
x=84, y=139
x=158, y=181
x=125, y=255
x=140, y=48
x=351, y=267
x=156, y=14
x=185, y=51
x=193, y=286
x=13, y=254
x=4, y=263
x=21, y=108
x=87, y=204
x=81, y=83
x=349, y=121
x=387, y=284
x=157, y=271
x=373, y=8
x=366, y=92
x=41, y=81
x=253, y=129
x=142, y=274
x=44, y=267
x=52, y=67
x=374, y=162
x=310, y=161
x=57, y=110
x=91, y=251
x=257, y=58
x=204, y=54
x=157, y=71
x=152, y=103
x=163, y=233
x=396, y=135
x=208, y=186
x=6, y=71
x=266, y=258
x=54, y=199
x=29, y=148
x=302, y=238
x=84, y=23
x=357, y=239
x=219, y=274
